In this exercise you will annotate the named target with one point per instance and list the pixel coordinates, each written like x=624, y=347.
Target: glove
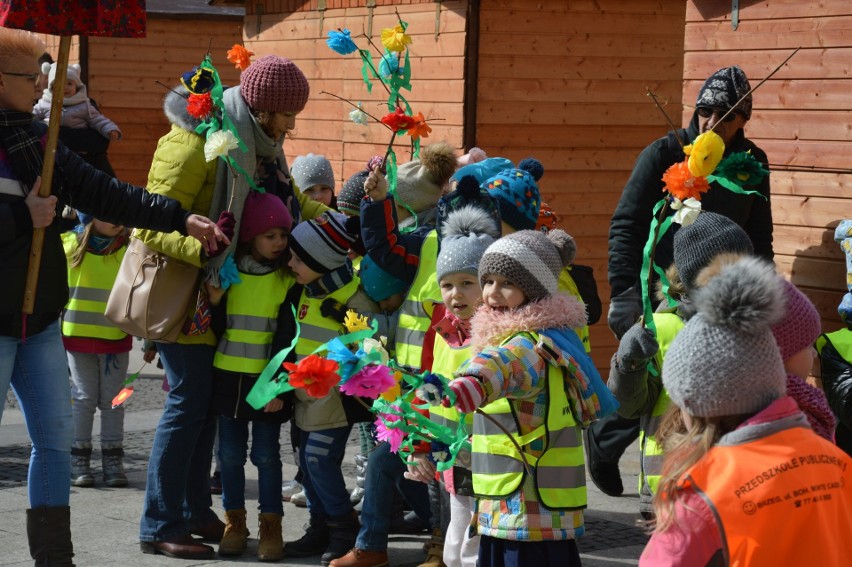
x=226, y=223
x=469, y=393
x=624, y=310
x=637, y=347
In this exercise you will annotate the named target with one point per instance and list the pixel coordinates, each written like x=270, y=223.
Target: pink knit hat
x=800, y=326
x=274, y=84
x=263, y=212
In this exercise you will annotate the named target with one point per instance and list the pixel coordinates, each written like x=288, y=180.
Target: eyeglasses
x=705, y=112
x=29, y=76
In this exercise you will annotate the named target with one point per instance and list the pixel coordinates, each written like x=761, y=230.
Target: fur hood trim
x=490, y=327
x=174, y=105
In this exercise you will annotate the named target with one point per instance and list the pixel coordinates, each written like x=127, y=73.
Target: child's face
x=105, y=228
x=461, y=294
x=320, y=194
x=801, y=363
x=304, y=274
x=270, y=245
x=18, y=85
x=501, y=294
x=392, y=303
x=70, y=88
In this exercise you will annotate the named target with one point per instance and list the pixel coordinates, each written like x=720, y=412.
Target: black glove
x=226, y=223
x=637, y=347
x=334, y=310
x=624, y=311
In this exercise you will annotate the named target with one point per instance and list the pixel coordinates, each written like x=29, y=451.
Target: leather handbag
x=153, y=294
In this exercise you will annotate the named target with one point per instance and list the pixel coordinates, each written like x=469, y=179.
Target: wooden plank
x=786, y=94
x=628, y=46
x=807, y=153
x=560, y=22
x=550, y=136
x=812, y=273
x=602, y=91
x=331, y=109
x=701, y=10
x=313, y=46
x=818, y=31
x=811, y=184
x=569, y=114
x=798, y=124
x=834, y=63
x=814, y=212
x=592, y=6
x=813, y=242
x=593, y=67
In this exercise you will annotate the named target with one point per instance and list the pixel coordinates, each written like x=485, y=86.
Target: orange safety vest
x=782, y=499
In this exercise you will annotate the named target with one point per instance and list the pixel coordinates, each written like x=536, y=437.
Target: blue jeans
x=265, y=455
x=38, y=372
x=177, y=493
x=320, y=456
x=384, y=472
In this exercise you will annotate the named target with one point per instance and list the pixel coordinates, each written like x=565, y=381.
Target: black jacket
x=837, y=383
x=83, y=187
x=631, y=221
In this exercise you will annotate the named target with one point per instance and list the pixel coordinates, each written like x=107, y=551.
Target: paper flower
x=742, y=168
x=372, y=345
x=199, y=105
x=394, y=391
x=390, y=433
x=431, y=390
x=390, y=64
x=395, y=38
x=705, y=153
x=369, y=382
x=122, y=396
x=354, y=322
x=340, y=41
x=358, y=116
x=419, y=128
x=219, y=143
x=680, y=182
x=687, y=211
x=314, y=374
x=240, y=57
x=398, y=120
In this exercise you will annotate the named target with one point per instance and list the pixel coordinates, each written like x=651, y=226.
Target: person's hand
x=114, y=135
x=273, y=405
x=637, y=347
x=376, y=185
x=420, y=468
x=42, y=209
x=226, y=223
x=207, y=233
x=150, y=354
x=469, y=393
x=624, y=311
x=214, y=293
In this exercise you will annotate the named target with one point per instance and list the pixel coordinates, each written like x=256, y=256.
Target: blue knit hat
x=377, y=283
x=517, y=193
x=484, y=169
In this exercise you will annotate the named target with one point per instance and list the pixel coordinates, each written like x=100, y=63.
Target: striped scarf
x=22, y=145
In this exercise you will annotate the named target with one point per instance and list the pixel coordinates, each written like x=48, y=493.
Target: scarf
x=249, y=265
x=26, y=154
x=330, y=282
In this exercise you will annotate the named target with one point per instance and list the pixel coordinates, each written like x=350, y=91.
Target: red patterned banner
x=109, y=18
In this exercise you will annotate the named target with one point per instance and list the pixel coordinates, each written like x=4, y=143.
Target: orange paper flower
x=419, y=128
x=314, y=374
x=398, y=121
x=682, y=184
x=240, y=56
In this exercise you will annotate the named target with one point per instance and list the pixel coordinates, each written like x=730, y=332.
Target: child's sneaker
x=299, y=499
x=289, y=488
x=113, y=466
x=81, y=469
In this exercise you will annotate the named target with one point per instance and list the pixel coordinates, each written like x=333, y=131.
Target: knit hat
x=483, y=170
x=724, y=88
x=352, y=192
x=377, y=283
x=475, y=155
x=800, y=326
x=323, y=242
x=274, y=84
x=468, y=231
x=530, y=259
x=420, y=183
x=725, y=360
x=263, y=212
x=72, y=74
x=312, y=170
x=711, y=234
x=843, y=236
x=517, y=192
x=467, y=193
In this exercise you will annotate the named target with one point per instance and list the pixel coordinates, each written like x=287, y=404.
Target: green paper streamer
x=273, y=380
x=733, y=187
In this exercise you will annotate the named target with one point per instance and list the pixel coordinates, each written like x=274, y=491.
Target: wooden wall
x=801, y=119
x=324, y=126
x=565, y=82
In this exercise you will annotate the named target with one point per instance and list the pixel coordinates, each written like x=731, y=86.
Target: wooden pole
x=47, y=169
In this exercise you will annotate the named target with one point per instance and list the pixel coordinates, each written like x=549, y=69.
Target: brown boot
x=435, y=551
x=271, y=545
x=236, y=534
x=361, y=558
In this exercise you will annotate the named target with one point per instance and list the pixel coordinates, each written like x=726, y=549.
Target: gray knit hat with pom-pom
x=467, y=231
x=531, y=260
x=725, y=360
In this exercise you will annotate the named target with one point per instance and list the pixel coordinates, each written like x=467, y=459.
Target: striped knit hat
x=530, y=259
x=323, y=243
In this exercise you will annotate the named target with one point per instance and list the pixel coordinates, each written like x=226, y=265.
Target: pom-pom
x=468, y=220
x=476, y=155
x=199, y=105
x=439, y=159
x=45, y=68
x=564, y=244
x=533, y=166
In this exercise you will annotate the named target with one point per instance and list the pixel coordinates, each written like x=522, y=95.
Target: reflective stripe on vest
x=446, y=361
x=252, y=319
x=569, y=286
x=89, y=286
x=498, y=468
x=668, y=326
x=416, y=311
x=314, y=329
x=780, y=499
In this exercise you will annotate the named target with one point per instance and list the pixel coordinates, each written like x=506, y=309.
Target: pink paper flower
x=369, y=382
x=391, y=434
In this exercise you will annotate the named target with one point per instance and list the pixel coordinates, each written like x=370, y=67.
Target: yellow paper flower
x=393, y=392
x=354, y=322
x=705, y=153
x=395, y=39
x=219, y=143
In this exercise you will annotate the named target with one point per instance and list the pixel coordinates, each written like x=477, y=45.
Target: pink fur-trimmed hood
x=490, y=327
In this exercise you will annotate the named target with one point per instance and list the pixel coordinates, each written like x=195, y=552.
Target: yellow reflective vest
x=569, y=286
x=415, y=314
x=447, y=360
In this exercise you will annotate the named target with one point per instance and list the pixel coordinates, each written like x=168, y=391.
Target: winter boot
x=360, y=479
x=312, y=543
x=112, y=460
x=343, y=531
x=81, y=468
x=271, y=545
x=49, y=535
x=236, y=534
x=361, y=558
x=435, y=551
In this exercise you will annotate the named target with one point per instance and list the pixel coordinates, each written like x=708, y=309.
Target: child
x=319, y=261
x=745, y=480
x=256, y=321
x=527, y=374
x=315, y=178
x=97, y=351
